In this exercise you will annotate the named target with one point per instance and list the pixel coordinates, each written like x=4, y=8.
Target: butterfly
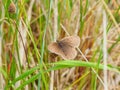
x=65, y=47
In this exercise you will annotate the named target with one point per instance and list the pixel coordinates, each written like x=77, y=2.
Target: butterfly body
x=65, y=47
x=61, y=45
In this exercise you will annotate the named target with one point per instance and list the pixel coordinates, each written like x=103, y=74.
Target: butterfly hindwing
x=69, y=52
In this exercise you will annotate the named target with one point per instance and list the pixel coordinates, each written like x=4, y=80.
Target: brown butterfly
x=65, y=47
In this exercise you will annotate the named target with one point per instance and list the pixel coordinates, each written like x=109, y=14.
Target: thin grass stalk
x=105, y=50
x=2, y=81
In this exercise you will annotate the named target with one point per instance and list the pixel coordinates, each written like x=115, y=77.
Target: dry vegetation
x=27, y=27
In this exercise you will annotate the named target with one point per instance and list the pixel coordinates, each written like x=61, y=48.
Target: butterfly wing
x=65, y=51
x=69, y=52
x=54, y=48
x=73, y=41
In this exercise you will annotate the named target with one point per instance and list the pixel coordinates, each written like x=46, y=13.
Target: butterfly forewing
x=54, y=48
x=73, y=41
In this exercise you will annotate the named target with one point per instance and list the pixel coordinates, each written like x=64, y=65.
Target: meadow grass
x=27, y=29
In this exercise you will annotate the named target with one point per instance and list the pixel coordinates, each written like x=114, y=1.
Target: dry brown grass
x=25, y=35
